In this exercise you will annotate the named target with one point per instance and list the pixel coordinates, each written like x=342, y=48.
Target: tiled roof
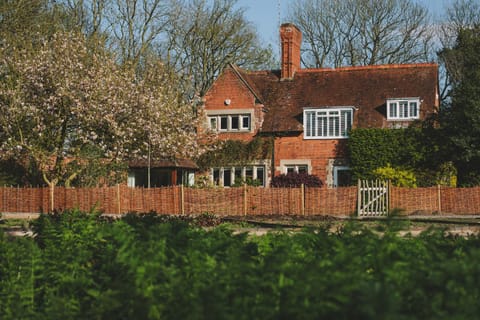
x=365, y=88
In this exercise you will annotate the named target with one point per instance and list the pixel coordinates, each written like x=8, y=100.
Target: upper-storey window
x=403, y=109
x=230, y=122
x=327, y=123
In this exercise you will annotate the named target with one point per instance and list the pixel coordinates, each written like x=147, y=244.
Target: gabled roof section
x=246, y=80
x=366, y=88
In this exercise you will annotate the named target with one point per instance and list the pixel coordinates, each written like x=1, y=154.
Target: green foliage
x=236, y=152
x=294, y=179
x=461, y=118
x=27, y=22
x=447, y=175
x=415, y=149
x=248, y=181
x=398, y=177
x=82, y=266
x=11, y=173
x=372, y=148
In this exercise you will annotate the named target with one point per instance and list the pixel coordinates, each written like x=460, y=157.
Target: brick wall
x=318, y=152
x=230, y=87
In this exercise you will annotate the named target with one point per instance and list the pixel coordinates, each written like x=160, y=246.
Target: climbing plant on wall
x=236, y=152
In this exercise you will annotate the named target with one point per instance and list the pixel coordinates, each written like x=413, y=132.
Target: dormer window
x=327, y=123
x=403, y=109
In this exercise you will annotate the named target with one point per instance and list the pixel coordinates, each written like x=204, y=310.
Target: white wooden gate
x=372, y=198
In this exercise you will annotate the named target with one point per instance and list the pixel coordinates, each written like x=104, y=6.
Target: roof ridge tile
x=371, y=67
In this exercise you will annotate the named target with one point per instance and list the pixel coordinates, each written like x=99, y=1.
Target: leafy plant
x=294, y=179
x=236, y=152
x=413, y=149
x=398, y=177
x=148, y=266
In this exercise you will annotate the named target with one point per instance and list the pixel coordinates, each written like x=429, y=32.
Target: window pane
x=403, y=109
x=310, y=123
x=322, y=125
x=334, y=124
x=249, y=173
x=227, y=177
x=302, y=169
x=213, y=123
x=235, y=123
x=237, y=175
x=216, y=177
x=345, y=122
x=343, y=178
x=413, y=110
x=349, y=114
x=245, y=122
x=224, y=123
x=290, y=169
x=261, y=175
x=392, y=110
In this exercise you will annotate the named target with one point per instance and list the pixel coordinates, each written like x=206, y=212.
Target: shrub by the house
x=294, y=179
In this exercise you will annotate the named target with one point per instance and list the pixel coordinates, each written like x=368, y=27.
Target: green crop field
x=84, y=266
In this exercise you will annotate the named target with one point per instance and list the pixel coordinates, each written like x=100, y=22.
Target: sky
x=265, y=15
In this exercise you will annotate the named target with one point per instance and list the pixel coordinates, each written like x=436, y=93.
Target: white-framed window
x=342, y=176
x=231, y=176
x=327, y=123
x=230, y=122
x=297, y=168
x=403, y=109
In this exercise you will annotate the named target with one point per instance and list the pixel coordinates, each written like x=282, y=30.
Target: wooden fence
x=235, y=201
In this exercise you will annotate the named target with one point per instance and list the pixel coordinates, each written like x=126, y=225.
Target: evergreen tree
x=461, y=118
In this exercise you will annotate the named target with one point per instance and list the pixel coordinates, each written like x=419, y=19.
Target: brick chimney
x=291, y=38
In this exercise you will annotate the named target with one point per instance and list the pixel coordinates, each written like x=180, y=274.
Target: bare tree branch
x=362, y=32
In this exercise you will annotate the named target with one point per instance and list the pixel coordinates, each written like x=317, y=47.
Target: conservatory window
x=231, y=176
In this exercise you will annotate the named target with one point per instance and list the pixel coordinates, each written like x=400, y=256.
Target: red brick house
x=309, y=112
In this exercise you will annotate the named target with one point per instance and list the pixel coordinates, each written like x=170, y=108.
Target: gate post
x=359, y=197
x=389, y=185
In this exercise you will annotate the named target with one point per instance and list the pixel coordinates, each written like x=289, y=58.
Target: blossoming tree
x=69, y=103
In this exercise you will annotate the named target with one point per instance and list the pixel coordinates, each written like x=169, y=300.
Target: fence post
x=52, y=198
x=302, y=198
x=17, y=209
x=119, y=203
x=182, y=200
x=439, y=195
x=244, y=199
